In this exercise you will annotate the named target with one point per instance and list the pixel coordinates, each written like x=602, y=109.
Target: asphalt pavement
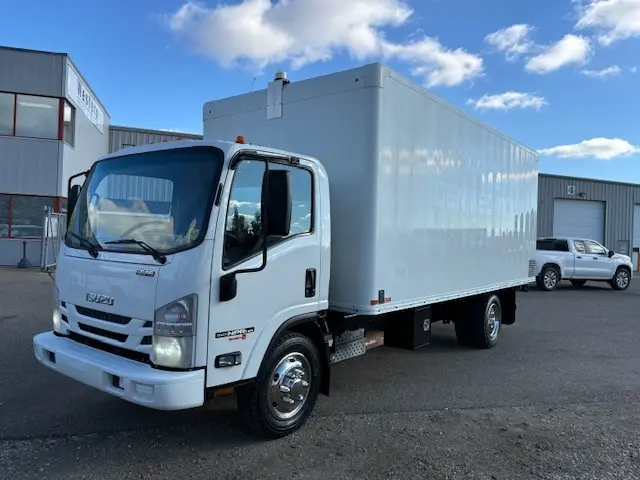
x=557, y=398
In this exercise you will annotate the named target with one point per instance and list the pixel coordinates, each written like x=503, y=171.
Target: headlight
x=56, y=310
x=174, y=330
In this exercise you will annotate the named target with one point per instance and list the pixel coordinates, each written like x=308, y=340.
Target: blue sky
x=566, y=67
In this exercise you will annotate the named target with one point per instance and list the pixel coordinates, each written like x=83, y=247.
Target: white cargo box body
x=427, y=204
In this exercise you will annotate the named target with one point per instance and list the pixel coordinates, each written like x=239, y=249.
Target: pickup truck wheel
x=578, y=283
x=621, y=279
x=283, y=395
x=481, y=329
x=549, y=278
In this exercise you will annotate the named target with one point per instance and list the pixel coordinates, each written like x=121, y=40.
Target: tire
x=481, y=329
x=578, y=283
x=265, y=405
x=549, y=278
x=622, y=279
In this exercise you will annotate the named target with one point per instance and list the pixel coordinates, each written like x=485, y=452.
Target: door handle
x=579, y=256
x=310, y=283
x=595, y=258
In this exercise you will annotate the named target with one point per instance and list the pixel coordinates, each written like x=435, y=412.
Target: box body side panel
x=456, y=201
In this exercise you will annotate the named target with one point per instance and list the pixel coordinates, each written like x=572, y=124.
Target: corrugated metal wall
x=619, y=199
x=35, y=73
x=122, y=137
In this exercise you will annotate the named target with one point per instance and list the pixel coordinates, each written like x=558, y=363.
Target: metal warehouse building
x=52, y=125
x=607, y=212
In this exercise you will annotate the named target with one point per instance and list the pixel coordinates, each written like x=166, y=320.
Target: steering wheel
x=142, y=224
x=232, y=237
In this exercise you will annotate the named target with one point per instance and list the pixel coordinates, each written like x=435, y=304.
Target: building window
x=22, y=216
x=34, y=116
x=69, y=124
x=7, y=109
x=37, y=117
x=4, y=215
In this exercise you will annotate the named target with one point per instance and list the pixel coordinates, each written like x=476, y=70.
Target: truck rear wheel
x=549, y=278
x=283, y=395
x=481, y=328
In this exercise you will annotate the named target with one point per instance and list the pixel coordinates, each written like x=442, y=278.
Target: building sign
x=571, y=190
x=84, y=100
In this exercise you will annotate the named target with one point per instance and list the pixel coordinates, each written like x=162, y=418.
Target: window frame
x=60, y=125
x=57, y=202
x=243, y=155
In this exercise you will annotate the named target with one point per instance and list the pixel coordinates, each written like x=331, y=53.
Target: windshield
x=162, y=198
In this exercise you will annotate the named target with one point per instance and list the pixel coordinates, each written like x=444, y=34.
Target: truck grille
x=108, y=331
x=532, y=268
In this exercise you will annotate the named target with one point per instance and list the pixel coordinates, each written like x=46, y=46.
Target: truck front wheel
x=621, y=279
x=283, y=395
x=481, y=327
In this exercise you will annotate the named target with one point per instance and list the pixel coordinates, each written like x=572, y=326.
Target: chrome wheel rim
x=289, y=386
x=493, y=321
x=622, y=279
x=550, y=278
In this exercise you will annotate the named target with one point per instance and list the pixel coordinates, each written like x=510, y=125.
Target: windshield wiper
x=92, y=248
x=157, y=256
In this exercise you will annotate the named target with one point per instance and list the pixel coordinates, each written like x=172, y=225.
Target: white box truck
x=317, y=219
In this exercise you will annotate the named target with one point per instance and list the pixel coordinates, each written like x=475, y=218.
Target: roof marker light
x=239, y=139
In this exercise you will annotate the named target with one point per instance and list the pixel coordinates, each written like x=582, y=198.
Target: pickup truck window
x=579, y=245
x=552, y=244
x=595, y=248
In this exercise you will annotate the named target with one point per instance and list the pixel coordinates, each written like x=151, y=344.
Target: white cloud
x=259, y=33
x=598, y=148
x=509, y=100
x=614, y=20
x=611, y=71
x=571, y=49
x=513, y=41
x=435, y=63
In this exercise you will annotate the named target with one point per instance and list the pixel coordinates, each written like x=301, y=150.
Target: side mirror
x=278, y=203
x=611, y=253
x=72, y=200
x=228, y=287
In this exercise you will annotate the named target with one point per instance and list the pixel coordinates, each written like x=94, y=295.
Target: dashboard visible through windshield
x=161, y=198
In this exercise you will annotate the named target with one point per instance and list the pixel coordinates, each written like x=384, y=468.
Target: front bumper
x=127, y=379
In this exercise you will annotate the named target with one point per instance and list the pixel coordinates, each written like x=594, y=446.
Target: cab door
x=288, y=285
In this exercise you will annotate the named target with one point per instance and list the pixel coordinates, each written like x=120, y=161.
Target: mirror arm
x=73, y=177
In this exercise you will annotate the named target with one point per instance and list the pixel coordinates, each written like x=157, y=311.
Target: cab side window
x=594, y=248
x=301, y=199
x=243, y=230
x=242, y=236
x=579, y=245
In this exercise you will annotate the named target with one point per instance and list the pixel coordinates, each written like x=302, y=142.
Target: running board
x=354, y=343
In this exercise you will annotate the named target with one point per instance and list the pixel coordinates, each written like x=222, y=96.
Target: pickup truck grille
x=532, y=268
x=108, y=331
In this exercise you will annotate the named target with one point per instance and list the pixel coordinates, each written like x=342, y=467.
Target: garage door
x=579, y=218
x=636, y=235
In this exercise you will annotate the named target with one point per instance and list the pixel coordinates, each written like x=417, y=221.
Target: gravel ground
x=556, y=399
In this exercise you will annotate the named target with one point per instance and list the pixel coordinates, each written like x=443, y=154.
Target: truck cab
x=579, y=260
x=160, y=239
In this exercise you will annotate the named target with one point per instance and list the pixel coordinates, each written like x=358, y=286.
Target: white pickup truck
x=579, y=260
